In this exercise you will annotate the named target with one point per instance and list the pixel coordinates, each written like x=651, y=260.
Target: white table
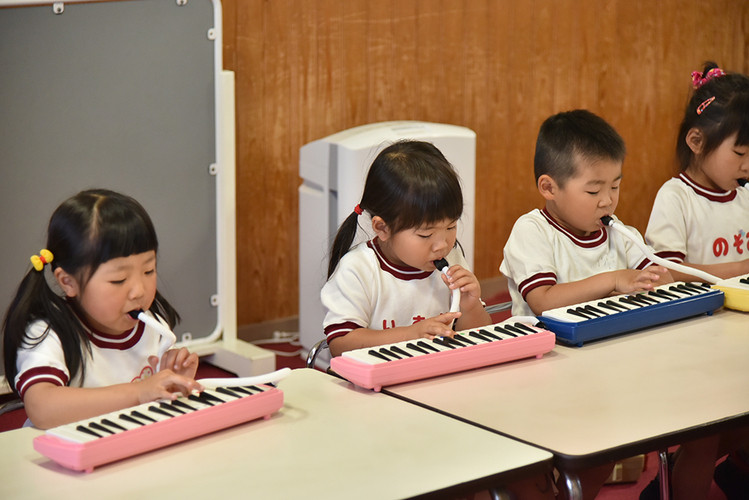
x=612, y=398
x=329, y=440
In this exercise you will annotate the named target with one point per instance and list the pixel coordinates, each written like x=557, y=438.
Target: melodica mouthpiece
x=742, y=182
x=607, y=220
x=134, y=313
x=440, y=264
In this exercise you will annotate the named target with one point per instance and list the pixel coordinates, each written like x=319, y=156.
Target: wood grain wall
x=309, y=68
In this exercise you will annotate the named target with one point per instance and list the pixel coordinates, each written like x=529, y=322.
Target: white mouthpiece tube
x=621, y=228
x=266, y=378
x=455, y=299
x=168, y=338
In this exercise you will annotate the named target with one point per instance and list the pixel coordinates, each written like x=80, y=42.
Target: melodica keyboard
x=86, y=444
x=602, y=318
x=390, y=364
x=737, y=292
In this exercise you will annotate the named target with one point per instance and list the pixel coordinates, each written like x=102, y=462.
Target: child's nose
x=137, y=290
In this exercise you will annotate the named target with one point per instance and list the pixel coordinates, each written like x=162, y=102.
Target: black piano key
x=376, y=354
x=484, y=331
x=400, y=351
x=425, y=345
x=183, y=405
x=228, y=392
x=156, y=409
x=578, y=312
x=108, y=422
x=170, y=407
x=628, y=300
x=137, y=414
x=464, y=338
x=255, y=388
x=639, y=299
x=242, y=390
x=614, y=306
x=744, y=281
x=199, y=399
x=514, y=329
x=443, y=342
x=416, y=348
x=477, y=335
x=386, y=352
x=647, y=299
x=503, y=330
x=86, y=430
x=527, y=328
x=97, y=426
x=128, y=418
x=595, y=312
x=666, y=294
x=454, y=342
x=697, y=287
x=211, y=397
x=681, y=289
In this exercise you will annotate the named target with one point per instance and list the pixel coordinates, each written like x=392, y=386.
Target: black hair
x=723, y=104
x=85, y=231
x=409, y=184
x=568, y=136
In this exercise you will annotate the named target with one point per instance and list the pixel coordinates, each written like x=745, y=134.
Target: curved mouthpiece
x=607, y=220
x=134, y=313
x=742, y=182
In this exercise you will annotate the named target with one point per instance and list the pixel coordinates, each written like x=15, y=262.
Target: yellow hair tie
x=44, y=257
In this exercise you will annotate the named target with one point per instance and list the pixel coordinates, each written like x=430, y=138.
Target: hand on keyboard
x=633, y=280
x=438, y=326
x=166, y=384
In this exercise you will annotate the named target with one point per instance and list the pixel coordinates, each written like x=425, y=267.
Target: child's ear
x=380, y=227
x=695, y=140
x=67, y=282
x=547, y=187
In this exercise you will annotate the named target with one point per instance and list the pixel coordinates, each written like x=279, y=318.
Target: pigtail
x=35, y=300
x=343, y=240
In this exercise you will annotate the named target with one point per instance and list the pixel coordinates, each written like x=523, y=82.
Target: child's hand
x=438, y=326
x=166, y=385
x=180, y=361
x=633, y=280
x=470, y=290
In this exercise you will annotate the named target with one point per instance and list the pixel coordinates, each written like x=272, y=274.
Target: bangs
x=120, y=237
x=429, y=201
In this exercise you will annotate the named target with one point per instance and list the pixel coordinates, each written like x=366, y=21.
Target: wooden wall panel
x=309, y=68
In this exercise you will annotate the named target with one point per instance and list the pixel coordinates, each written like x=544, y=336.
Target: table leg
x=663, y=474
x=573, y=486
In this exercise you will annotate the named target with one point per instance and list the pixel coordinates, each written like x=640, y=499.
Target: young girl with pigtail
x=701, y=219
x=73, y=348
x=388, y=289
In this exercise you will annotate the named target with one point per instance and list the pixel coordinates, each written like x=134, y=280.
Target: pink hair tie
x=698, y=81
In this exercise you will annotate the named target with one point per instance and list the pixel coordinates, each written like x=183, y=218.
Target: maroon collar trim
x=591, y=241
x=710, y=194
x=405, y=273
